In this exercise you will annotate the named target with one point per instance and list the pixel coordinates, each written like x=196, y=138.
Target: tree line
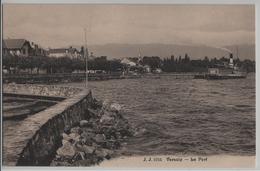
x=186, y=64
x=13, y=64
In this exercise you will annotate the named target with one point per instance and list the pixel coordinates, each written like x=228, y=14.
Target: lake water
x=184, y=116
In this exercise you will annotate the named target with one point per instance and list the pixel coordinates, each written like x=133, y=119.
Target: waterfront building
x=70, y=52
x=128, y=62
x=22, y=47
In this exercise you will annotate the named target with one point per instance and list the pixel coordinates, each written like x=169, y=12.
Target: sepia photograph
x=128, y=85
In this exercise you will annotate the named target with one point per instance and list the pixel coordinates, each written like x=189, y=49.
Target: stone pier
x=35, y=139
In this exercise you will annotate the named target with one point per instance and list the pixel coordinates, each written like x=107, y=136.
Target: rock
x=119, y=115
x=103, y=153
x=105, y=104
x=125, y=132
x=74, y=137
x=88, y=149
x=87, y=138
x=84, y=123
x=118, y=135
x=121, y=124
x=87, y=141
x=107, y=120
x=93, y=120
x=96, y=104
x=87, y=130
x=67, y=150
x=67, y=129
x=109, y=132
x=76, y=130
x=78, y=156
x=65, y=141
x=93, y=140
x=99, y=138
x=139, y=132
x=112, y=144
x=88, y=135
x=115, y=107
x=65, y=137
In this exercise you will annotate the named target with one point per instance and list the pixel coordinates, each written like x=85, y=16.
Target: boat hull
x=222, y=77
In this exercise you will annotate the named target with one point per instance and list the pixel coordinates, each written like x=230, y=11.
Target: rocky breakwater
x=94, y=140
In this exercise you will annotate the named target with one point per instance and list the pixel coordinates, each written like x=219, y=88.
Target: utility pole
x=86, y=56
x=139, y=56
x=237, y=51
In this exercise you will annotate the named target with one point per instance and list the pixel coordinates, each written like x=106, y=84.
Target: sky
x=63, y=25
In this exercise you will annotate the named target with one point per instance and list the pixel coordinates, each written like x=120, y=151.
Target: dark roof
x=14, y=43
x=72, y=50
x=61, y=50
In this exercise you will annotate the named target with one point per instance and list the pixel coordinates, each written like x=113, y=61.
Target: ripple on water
x=184, y=116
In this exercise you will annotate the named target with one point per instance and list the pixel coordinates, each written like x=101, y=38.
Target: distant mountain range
x=245, y=51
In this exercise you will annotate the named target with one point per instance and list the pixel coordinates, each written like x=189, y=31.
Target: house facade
x=22, y=47
x=19, y=47
x=70, y=52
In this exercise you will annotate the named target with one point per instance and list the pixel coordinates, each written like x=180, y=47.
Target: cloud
x=62, y=25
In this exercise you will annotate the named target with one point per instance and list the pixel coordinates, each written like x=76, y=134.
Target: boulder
x=96, y=104
x=67, y=150
x=74, y=136
x=65, y=137
x=88, y=135
x=86, y=140
x=67, y=129
x=121, y=124
x=105, y=104
x=85, y=123
x=107, y=120
x=93, y=120
x=118, y=135
x=76, y=130
x=99, y=138
x=115, y=107
x=103, y=153
x=65, y=141
x=109, y=132
x=88, y=149
x=78, y=156
x=112, y=144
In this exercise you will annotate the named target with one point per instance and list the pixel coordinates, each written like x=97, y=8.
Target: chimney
x=231, y=62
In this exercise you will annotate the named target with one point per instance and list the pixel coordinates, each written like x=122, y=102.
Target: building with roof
x=70, y=52
x=128, y=62
x=22, y=47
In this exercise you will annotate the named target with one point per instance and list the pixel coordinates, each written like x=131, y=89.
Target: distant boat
x=226, y=72
x=219, y=72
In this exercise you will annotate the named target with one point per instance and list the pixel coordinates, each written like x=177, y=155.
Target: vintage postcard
x=129, y=85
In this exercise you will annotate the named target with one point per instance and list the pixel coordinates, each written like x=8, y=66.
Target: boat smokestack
x=231, y=62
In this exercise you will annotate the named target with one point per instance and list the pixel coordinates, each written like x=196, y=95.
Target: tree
x=153, y=62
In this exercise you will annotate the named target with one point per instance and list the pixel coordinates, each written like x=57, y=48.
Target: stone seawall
x=45, y=138
x=39, y=136
x=41, y=90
